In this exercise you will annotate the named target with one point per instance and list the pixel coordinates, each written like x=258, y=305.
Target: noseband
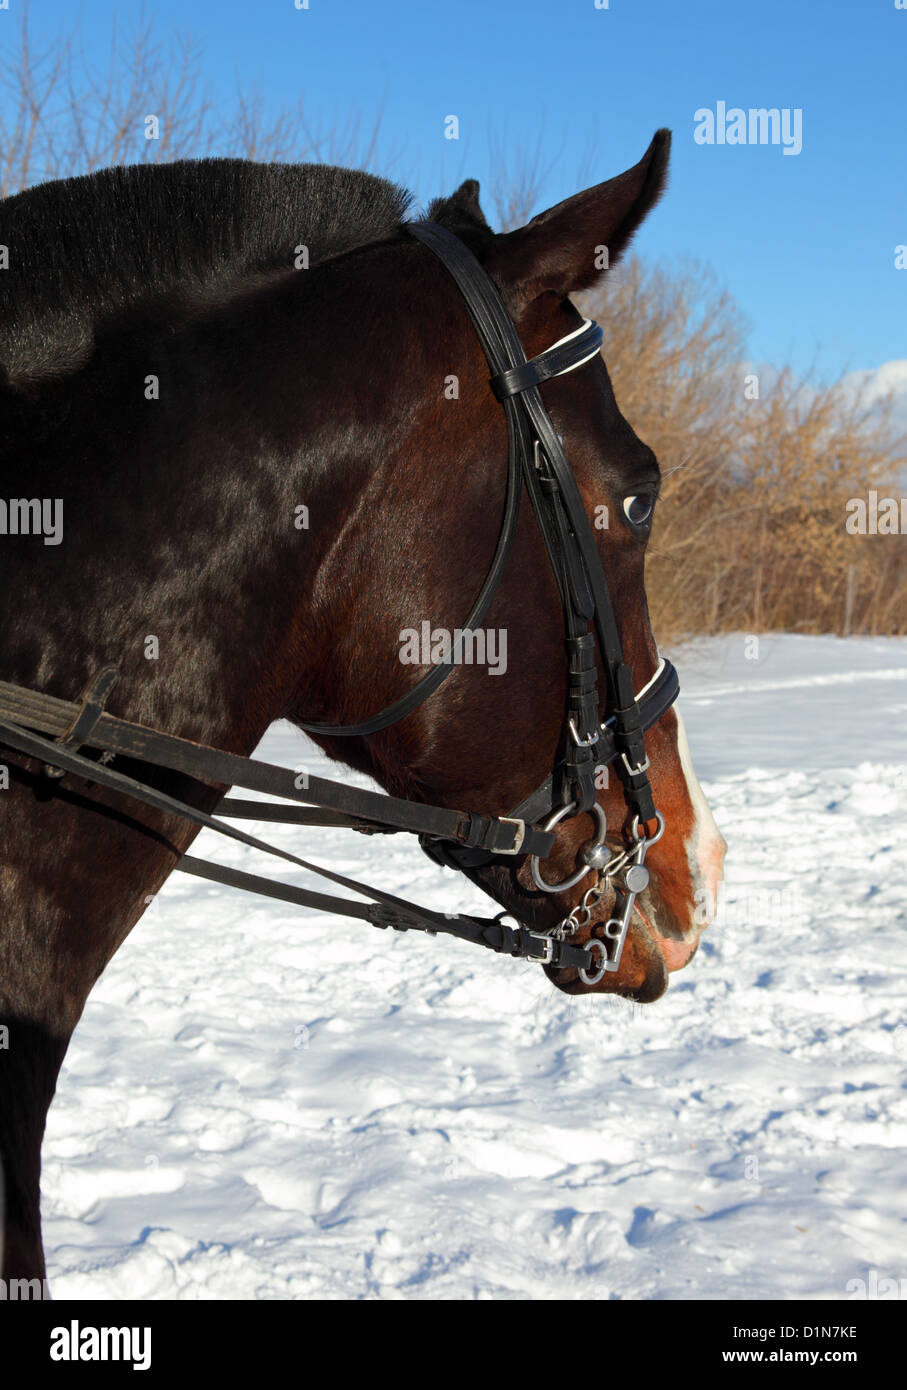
x=461, y=840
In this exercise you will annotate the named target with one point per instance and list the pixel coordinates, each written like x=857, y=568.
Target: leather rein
x=54, y=731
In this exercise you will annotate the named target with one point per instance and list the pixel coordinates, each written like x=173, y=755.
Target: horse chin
x=678, y=949
x=647, y=961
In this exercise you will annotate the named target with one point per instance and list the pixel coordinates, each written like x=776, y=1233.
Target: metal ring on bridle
x=594, y=976
x=653, y=839
x=571, y=882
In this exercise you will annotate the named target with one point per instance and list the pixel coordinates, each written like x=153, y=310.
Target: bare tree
x=518, y=174
x=60, y=115
x=758, y=468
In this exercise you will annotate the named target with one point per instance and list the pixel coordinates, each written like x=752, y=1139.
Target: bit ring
x=634, y=830
x=574, y=879
x=597, y=973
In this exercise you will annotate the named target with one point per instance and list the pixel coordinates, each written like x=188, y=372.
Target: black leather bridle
x=463, y=840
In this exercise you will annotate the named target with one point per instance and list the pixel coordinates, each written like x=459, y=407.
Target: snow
x=264, y=1102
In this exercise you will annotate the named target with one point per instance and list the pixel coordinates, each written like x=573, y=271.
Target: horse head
x=491, y=735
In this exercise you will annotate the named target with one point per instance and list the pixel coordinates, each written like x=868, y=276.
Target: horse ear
x=461, y=207
x=569, y=247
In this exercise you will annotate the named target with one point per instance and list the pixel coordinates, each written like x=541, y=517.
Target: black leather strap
x=482, y=931
x=213, y=765
x=429, y=683
x=554, y=361
x=235, y=808
x=653, y=703
x=581, y=757
x=386, y=909
x=94, y=697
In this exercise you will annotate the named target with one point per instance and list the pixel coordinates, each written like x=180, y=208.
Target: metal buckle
x=91, y=707
x=548, y=943
x=639, y=768
x=519, y=835
x=540, y=460
x=521, y=935
x=586, y=742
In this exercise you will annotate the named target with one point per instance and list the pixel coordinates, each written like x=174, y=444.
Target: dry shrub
x=750, y=531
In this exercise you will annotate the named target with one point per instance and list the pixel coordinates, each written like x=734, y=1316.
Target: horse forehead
x=585, y=403
x=607, y=453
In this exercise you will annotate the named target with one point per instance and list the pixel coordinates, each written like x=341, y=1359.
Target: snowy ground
x=245, y=1114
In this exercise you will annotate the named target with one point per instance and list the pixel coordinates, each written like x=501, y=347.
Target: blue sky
x=805, y=243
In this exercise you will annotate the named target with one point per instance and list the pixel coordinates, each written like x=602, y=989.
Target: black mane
x=83, y=248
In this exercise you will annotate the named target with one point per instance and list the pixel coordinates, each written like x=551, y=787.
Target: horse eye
x=638, y=509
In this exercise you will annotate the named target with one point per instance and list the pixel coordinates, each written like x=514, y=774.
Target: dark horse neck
x=245, y=478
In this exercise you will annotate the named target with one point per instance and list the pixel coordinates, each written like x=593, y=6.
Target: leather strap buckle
x=519, y=834
x=94, y=698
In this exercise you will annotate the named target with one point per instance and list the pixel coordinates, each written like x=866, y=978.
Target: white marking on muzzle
x=706, y=846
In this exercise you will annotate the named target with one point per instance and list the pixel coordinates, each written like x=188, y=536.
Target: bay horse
x=193, y=357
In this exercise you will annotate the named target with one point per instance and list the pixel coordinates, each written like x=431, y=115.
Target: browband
x=561, y=357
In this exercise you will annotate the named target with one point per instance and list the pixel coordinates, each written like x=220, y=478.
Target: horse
x=262, y=415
